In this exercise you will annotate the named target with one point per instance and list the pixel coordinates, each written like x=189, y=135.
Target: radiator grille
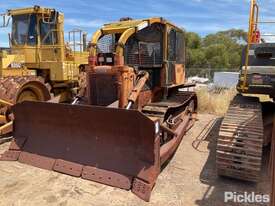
x=103, y=89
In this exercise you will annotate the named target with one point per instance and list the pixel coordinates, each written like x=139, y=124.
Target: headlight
x=101, y=59
x=109, y=60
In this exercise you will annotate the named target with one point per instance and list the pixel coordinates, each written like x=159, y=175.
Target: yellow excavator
x=139, y=109
x=39, y=65
x=247, y=126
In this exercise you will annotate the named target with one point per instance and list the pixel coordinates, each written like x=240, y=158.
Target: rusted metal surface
x=107, y=177
x=11, y=90
x=17, y=143
x=10, y=155
x=68, y=167
x=107, y=84
x=141, y=79
x=142, y=189
x=81, y=139
x=36, y=160
x=169, y=148
x=10, y=87
x=240, y=141
x=116, y=147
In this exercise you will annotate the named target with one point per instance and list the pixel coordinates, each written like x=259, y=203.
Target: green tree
x=217, y=56
x=193, y=40
x=221, y=50
x=196, y=57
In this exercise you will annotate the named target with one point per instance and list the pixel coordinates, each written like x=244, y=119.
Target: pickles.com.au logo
x=246, y=197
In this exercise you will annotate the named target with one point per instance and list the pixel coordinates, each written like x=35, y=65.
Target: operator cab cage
x=33, y=26
x=149, y=44
x=260, y=55
x=257, y=66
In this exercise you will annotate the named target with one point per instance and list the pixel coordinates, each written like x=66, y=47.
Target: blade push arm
x=142, y=77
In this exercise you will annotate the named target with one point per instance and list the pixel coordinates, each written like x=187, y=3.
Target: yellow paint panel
x=7, y=59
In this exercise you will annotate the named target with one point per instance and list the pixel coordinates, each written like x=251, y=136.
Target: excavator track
x=240, y=141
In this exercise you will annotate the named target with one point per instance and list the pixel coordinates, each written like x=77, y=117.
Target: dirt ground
x=189, y=179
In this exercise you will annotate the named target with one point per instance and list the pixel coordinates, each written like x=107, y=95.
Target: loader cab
x=27, y=28
x=36, y=33
x=35, y=26
x=37, y=45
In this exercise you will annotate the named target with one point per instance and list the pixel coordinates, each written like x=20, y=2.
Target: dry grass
x=214, y=102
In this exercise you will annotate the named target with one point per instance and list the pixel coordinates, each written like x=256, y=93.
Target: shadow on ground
x=216, y=185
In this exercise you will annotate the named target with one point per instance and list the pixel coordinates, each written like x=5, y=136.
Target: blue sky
x=202, y=16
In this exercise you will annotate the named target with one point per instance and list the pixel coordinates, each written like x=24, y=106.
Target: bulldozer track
x=240, y=141
x=170, y=107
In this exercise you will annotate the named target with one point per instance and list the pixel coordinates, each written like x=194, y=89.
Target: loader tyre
x=240, y=141
x=19, y=89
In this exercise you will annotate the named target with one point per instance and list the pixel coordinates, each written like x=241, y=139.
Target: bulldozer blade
x=116, y=147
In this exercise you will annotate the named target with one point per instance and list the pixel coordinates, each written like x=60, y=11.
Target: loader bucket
x=116, y=147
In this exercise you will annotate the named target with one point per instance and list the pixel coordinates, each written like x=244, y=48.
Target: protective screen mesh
x=144, y=49
x=144, y=54
x=180, y=48
x=106, y=44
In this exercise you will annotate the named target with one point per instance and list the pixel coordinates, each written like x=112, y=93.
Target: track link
x=171, y=106
x=169, y=111
x=240, y=141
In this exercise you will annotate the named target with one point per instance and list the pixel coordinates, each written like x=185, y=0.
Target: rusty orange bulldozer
x=139, y=108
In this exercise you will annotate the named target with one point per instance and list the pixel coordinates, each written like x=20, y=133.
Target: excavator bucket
x=112, y=146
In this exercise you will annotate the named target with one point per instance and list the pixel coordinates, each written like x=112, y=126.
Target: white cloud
x=84, y=23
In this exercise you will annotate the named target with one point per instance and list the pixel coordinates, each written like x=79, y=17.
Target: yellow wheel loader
x=139, y=108
x=39, y=64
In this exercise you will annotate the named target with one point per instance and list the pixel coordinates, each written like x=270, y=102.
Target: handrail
x=251, y=31
x=54, y=14
x=6, y=20
x=50, y=32
x=266, y=22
